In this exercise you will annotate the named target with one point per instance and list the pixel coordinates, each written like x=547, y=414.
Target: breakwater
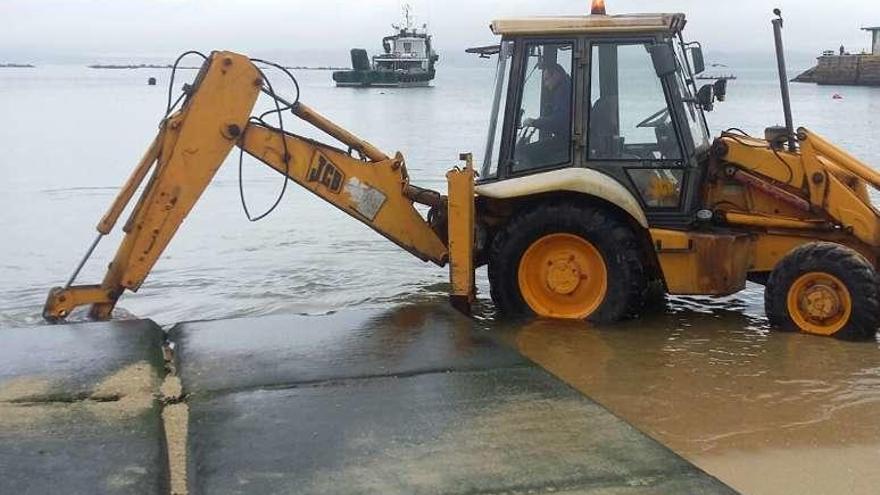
x=857, y=70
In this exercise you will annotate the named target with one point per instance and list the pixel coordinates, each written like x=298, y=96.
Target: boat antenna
x=427, y=17
x=407, y=15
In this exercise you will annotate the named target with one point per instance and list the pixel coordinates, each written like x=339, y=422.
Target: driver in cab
x=556, y=113
x=554, y=124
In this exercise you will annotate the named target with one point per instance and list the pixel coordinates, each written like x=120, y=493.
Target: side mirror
x=720, y=88
x=697, y=58
x=706, y=97
x=663, y=57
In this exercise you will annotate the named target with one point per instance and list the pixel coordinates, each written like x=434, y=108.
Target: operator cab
x=615, y=94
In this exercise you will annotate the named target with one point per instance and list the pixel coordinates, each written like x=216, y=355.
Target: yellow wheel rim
x=563, y=276
x=819, y=303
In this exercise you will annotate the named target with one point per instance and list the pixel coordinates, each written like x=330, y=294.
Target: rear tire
x=824, y=288
x=565, y=260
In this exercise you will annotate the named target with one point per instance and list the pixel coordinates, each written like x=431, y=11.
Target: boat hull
x=382, y=79
x=420, y=84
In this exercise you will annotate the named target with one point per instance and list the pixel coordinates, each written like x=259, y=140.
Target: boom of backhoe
x=192, y=144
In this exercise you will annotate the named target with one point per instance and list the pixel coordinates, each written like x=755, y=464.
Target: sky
x=312, y=31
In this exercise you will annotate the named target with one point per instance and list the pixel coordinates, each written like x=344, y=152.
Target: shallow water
x=766, y=412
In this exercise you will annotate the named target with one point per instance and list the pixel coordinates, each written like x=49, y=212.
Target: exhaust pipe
x=783, y=79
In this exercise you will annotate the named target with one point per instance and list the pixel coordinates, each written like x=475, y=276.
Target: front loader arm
x=817, y=189
x=193, y=143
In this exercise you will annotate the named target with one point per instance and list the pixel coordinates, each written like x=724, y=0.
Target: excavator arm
x=192, y=144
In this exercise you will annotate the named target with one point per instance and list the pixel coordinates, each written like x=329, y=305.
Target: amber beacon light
x=598, y=7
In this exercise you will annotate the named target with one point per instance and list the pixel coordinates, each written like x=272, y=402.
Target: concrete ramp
x=411, y=400
x=288, y=350
x=79, y=411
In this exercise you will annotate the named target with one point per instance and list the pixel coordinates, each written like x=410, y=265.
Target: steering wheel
x=525, y=133
x=657, y=119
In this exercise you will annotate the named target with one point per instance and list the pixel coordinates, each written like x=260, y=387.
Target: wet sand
x=766, y=412
x=175, y=416
x=27, y=404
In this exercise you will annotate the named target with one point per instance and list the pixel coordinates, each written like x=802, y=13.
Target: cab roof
x=585, y=24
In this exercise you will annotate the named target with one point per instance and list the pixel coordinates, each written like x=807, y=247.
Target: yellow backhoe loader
x=599, y=182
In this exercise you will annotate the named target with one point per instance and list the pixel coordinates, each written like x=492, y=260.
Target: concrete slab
x=510, y=430
x=79, y=411
x=282, y=350
x=70, y=361
x=410, y=400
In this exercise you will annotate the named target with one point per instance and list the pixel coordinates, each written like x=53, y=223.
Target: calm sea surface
x=766, y=412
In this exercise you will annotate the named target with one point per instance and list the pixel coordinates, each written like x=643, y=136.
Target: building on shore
x=862, y=69
x=875, y=39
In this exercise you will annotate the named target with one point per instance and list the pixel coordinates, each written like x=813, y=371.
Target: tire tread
x=627, y=277
x=849, y=266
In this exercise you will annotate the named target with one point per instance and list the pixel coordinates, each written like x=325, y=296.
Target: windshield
x=695, y=118
x=496, y=116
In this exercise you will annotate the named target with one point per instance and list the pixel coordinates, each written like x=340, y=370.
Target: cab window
x=629, y=117
x=543, y=120
x=492, y=156
x=658, y=187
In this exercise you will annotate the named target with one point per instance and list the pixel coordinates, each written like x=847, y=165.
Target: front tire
x=824, y=288
x=564, y=260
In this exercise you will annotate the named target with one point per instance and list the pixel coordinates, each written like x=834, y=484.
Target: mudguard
x=582, y=180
